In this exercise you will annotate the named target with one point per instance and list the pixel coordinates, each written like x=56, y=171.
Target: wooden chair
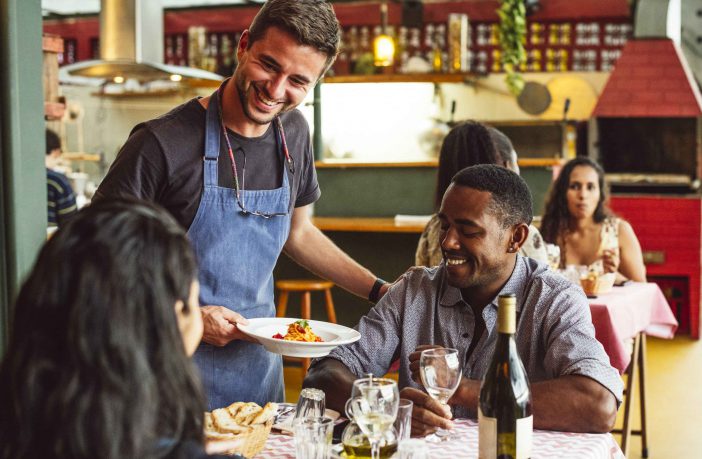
x=638, y=362
x=305, y=287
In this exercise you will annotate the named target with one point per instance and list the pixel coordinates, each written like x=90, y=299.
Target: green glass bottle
x=505, y=422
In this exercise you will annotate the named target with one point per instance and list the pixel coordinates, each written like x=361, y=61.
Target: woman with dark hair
x=98, y=360
x=578, y=221
x=467, y=144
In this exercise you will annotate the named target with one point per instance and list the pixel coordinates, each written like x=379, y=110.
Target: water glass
x=313, y=437
x=403, y=421
x=310, y=404
x=412, y=448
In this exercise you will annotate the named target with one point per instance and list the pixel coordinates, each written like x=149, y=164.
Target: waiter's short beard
x=242, y=92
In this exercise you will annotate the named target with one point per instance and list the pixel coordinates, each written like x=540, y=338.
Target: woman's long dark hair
x=467, y=144
x=556, y=218
x=96, y=365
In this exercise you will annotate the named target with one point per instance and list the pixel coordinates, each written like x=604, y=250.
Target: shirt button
x=466, y=335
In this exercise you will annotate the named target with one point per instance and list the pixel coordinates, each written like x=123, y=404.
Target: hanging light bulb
x=383, y=45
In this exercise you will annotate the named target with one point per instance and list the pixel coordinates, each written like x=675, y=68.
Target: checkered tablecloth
x=560, y=445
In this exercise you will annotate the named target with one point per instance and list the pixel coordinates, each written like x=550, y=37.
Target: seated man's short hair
x=511, y=198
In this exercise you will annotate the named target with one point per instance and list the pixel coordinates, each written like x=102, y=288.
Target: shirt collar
x=451, y=296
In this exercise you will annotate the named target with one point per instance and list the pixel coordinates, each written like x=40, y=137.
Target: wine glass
x=373, y=407
x=440, y=370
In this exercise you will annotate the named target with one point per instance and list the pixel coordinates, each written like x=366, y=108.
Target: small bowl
x=594, y=284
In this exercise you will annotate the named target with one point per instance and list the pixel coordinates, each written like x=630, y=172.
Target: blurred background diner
x=603, y=107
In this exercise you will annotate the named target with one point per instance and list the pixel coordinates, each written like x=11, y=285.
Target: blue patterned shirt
x=554, y=336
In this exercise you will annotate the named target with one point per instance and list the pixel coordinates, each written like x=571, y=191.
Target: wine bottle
x=505, y=422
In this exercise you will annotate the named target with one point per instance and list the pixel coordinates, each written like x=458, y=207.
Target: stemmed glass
x=440, y=370
x=373, y=406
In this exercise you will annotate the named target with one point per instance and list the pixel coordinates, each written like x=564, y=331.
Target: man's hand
x=220, y=325
x=428, y=415
x=414, y=360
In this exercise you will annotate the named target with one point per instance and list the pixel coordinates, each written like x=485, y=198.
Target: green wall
x=379, y=192
x=23, y=176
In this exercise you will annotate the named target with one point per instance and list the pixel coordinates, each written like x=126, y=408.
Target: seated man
x=485, y=216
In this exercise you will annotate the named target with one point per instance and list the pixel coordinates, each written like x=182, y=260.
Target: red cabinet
x=669, y=230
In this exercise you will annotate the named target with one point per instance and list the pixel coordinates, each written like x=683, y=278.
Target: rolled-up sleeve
x=380, y=336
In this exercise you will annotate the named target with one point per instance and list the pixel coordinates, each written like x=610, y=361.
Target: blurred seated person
x=60, y=199
x=468, y=144
x=485, y=217
x=98, y=358
x=577, y=220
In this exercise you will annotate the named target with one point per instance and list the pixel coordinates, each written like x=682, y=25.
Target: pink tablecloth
x=626, y=311
x=546, y=445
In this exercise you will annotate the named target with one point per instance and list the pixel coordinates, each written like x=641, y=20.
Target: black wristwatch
x=374, y=294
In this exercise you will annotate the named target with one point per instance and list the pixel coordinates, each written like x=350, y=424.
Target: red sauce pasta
x=299, y=331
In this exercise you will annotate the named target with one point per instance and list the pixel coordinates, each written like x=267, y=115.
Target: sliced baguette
x=265, y=414
x=225, y=423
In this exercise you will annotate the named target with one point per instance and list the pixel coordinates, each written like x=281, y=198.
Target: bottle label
x=516, y=445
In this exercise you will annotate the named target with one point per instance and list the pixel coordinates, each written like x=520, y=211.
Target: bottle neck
x=506, y=317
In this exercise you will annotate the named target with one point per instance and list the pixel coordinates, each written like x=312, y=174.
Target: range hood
x=131, y=49
x=652, y=78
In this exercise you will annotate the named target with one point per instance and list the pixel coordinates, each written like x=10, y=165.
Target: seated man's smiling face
x=473, y=241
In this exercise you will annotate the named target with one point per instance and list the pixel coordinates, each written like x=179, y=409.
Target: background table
x=546, y=445
x=625, y=312
x=631, y=313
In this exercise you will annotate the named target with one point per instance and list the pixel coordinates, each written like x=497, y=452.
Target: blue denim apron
x=236, y=255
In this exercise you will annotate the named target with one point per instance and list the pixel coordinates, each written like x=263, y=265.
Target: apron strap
x=212, y=139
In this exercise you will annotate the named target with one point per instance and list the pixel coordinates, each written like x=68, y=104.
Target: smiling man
x=237, y=170
x=484, y=216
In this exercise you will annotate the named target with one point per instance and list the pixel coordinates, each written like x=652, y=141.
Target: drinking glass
x=373, y=406
x=440, y=371
x=313, y=437
x=310, y=404
x=403, y=421
x=412, y=448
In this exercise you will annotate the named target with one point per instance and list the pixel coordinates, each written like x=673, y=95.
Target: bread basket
x=246, y=423
x=253, y=441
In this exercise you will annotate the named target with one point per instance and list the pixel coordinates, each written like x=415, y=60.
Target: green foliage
x=512, y=34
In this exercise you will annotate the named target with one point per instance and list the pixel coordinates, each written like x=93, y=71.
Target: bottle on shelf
x=505, y=422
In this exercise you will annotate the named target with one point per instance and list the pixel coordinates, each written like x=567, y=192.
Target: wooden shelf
x=366, y=225
x=403, y=78
x=351, y=164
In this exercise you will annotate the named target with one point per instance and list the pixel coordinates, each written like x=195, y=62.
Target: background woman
x=468, y=144
x=577, y=220
x=97, y=364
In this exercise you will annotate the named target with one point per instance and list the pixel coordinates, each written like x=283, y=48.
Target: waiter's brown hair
x=312, y=22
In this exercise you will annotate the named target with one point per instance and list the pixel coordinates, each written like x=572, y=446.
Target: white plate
x=333, y=335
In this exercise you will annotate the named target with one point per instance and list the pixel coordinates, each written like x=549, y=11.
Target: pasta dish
x=299, y=331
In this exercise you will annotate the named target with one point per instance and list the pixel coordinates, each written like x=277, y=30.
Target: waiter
x=236, y=168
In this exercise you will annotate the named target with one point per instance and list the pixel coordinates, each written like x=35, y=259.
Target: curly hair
x=96, y=365
x=312, y=22
x=555, y=221
x=467, y=144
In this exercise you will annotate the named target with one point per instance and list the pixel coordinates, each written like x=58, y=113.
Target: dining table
x=623, y=318
x=626, y=311
x=545, y=444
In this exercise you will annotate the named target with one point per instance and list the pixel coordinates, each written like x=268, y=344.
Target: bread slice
x=209, y=422
x=247, y=413
x=265, y=414
x=234, y=408
x=225, y=423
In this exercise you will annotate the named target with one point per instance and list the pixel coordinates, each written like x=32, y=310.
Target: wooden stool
x=306, y=286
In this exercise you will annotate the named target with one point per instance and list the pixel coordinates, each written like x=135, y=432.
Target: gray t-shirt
x=554, y=336
x=162, y=162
